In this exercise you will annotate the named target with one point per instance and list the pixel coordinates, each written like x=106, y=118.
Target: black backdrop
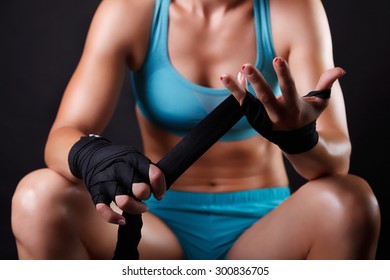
x=40, y=45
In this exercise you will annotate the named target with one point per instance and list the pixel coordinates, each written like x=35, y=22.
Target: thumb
x=328, y=78
x=110, y=215
x=325, y=82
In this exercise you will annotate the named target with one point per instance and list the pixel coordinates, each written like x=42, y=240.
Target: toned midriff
x=251, y=163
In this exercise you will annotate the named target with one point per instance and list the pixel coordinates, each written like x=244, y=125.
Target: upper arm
x=302, y=35
x=117, y=39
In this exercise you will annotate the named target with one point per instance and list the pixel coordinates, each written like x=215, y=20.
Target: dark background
x=41, y=42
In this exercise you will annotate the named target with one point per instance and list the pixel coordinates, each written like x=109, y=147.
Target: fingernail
x=122, y=222
x=225, y=79
x=279, y=62
x=247, y=70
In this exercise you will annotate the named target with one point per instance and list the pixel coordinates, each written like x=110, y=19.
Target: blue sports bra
x=173, y=103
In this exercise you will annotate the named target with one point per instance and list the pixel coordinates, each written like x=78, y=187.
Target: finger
x=157, y=181
x=328, y=78
x=109, y=215
x=103, y=192
x=234, y=86
x=123, y=174
x=130, y=205
x=242, y=80
x=263, y=91
x=141, y=191
x=286, y=82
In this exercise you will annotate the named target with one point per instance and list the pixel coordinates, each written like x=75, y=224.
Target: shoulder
x=297, y=8
x=299, y=22
x=300, y=28
x=122, y=26
x=302, y=35
x=126, y=11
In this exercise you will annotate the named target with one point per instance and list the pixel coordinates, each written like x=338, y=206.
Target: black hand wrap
x=176, y=161
x=107, y=170
x=292, y=142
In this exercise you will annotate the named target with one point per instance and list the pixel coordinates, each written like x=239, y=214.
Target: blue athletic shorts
x=208, y=224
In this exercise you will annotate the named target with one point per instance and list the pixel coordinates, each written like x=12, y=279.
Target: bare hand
x=290, y=110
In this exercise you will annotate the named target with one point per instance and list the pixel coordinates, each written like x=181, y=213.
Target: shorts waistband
x=228, y=197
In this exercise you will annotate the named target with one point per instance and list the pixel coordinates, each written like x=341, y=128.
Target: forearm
x=331, y=155
x=57, y=148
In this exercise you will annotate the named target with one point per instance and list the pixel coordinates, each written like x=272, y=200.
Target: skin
x=333, y=216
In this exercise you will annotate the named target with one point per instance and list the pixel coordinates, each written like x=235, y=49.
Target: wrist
x=83, y=149
x=296, y=141
x=292, y=142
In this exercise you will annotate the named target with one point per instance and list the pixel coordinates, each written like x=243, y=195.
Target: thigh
x=320, y=220
x=158, y=241
x=53, y=218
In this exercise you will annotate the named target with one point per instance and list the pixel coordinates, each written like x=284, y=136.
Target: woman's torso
x=201, y=47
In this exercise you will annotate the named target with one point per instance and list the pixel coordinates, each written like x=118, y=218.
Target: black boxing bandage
x=107, y=170
x=178, y=160
x=292, y=142
x=206, y=133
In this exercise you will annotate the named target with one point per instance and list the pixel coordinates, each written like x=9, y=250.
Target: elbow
x=335, y=161
x=338, y=162
x=343, y=158
x=47, y=153
x=338, y=156
x=341, y=167
x=47, y=157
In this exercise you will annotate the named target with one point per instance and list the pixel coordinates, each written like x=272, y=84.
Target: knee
x=350, y=204
x=36, y=190
x=37, y=199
